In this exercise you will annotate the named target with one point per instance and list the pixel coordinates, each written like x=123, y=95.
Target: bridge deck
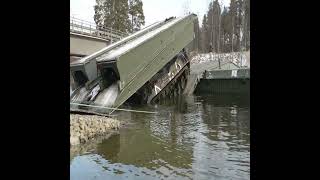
x=131, y=44
x=208, y=77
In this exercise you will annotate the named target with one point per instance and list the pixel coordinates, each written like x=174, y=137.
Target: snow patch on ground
x=239, y=58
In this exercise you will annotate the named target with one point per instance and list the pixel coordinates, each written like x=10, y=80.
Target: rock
x=82, y=127
x=86, y=127
x=74, y=140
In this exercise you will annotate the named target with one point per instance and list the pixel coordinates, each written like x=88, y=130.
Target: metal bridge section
x=78, y=26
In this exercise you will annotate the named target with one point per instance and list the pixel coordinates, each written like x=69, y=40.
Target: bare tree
x=186, y=7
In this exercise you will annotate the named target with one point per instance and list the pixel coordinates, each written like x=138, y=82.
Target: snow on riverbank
x=239, y=58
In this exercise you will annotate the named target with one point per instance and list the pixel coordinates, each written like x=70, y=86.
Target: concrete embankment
x=84, y=128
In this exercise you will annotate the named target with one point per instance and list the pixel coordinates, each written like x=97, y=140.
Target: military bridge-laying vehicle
x=148, y=65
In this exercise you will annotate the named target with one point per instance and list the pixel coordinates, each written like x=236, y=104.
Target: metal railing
x=87, y=28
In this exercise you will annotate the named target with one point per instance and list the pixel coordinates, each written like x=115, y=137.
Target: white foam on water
x=108, y=96
x=80, y=96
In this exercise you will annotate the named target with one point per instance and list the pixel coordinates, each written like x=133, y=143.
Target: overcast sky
x=154, y=10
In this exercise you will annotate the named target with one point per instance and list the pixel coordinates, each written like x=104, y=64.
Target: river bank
x=84, y=128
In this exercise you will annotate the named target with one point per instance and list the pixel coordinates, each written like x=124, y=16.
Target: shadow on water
x=191, y=137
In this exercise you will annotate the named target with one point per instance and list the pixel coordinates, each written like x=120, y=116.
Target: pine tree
x=210, y=24
x=99, y=13
x=203, y=35
x=197, y=35
x=136, y=14
x=121, y=17
x=233, y=20
x=226, y=30
x=186, y=7
x=112, y=14
x=240, y=25
x=219, y=24
x=247, y=23
x=229, y=31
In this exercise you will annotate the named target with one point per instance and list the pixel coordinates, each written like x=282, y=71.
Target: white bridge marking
x=234, y=73
x=178, y=65
x=171, y=75
x=156, y=88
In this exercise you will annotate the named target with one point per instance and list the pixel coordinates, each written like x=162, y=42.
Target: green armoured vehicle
x=145, y=66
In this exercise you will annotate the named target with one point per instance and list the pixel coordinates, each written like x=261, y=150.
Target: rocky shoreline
x=84, y=128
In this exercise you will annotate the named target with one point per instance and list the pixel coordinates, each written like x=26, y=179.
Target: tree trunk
x=132, y=23
x=232, y=36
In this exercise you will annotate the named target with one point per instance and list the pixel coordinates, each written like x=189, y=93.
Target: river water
x=194, y=137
